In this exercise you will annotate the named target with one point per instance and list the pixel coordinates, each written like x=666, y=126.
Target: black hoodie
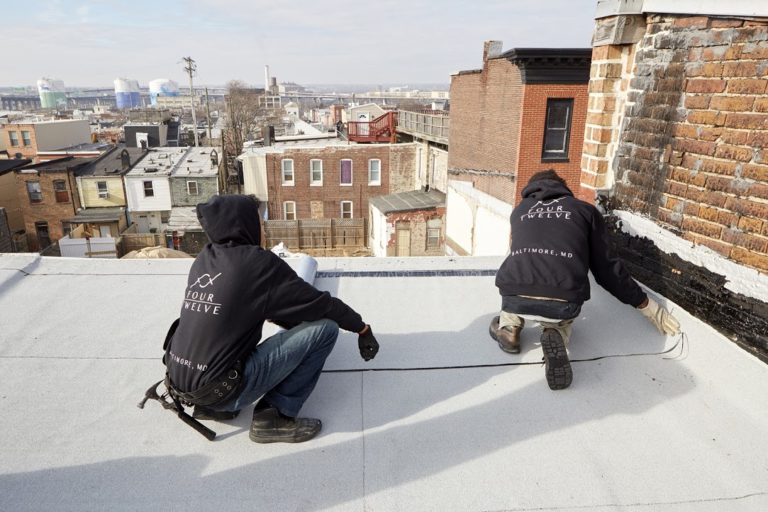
x=233, y=287
x=556, y=240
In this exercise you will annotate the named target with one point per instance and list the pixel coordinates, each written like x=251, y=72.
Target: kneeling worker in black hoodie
x=215, y=355
x=556, y=240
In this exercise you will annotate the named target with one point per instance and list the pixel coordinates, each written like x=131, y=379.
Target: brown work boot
x=508, y=338
x=269, y=426
x=557, y=365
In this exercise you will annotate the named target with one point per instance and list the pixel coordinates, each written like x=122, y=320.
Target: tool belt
x=220, y=390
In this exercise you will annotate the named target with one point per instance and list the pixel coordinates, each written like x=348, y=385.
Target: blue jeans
x=285, y=367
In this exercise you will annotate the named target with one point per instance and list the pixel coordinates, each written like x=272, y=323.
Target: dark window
x=34, y=192
x=148, y=190
x=43, y=237
x=346, y=172
x=14, y=136
x=25, y=138
x=557, y=129
x=60, y=188
x=103, y=190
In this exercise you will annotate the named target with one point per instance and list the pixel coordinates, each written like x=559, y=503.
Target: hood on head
x=546, y=189
x=232, y=218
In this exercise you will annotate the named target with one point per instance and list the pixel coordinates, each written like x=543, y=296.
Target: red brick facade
x=397, y=174
x=678, y=127
x=498, y=117
x=52, y=208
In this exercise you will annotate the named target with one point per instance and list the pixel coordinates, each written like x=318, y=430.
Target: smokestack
x=266, y=78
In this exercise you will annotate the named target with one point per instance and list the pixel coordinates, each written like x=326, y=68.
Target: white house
x=148, y=188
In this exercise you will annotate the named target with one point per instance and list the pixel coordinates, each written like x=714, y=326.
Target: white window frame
x=292, y=181
x=312, y=181
x=197, y=189
x=351, y=172
x=103, y=194
x=351, y=209
x=371, y=181
x=285, y=209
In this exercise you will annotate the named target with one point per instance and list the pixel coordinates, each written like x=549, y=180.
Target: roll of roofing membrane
x=306, y=268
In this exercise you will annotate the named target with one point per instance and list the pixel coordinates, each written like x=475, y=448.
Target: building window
x=148, y=190
x=25, y=139
x=14, y=138
x=315, y=172
x=192, y=188
x=346, y=209
x=289, y=210
x=103, y=190
x=60, y=189
x=34, y=192
x=433, y=233
x=346, y=172
x=287, y=166
x=374, y=171
x=557, y=129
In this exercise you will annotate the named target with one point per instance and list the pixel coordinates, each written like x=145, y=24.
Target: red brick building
x=326, y=181
x=48, y=195
x=523, y=112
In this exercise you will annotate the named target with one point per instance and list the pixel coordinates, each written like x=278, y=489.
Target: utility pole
x=208, y=115
x=190, y=68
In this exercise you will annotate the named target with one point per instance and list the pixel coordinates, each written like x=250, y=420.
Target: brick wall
x=48, y=210
x=28, y=150
x=532, y=135
x=398, y=166
x=676, y=131
x=416, y=221
x=690, y=153
x=485, y=127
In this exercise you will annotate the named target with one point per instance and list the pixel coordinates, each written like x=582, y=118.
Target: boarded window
x=60, y=189
x=346, y=172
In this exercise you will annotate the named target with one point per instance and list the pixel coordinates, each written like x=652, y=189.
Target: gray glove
x=660, y=317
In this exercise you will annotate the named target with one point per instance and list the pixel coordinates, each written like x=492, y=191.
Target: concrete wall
x=255, y=176
x=477, y=224
x=61, y=134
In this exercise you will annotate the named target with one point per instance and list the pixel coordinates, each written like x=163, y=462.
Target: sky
x=304, y=41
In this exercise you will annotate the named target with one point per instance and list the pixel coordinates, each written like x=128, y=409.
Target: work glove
x=660, y=317
x=367, y=344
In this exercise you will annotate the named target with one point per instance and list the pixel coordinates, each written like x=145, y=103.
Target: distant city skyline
x=306, y=42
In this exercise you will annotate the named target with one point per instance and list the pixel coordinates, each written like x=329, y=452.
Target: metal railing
x=433, y=126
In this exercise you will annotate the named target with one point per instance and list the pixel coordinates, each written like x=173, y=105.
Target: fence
x=316, y=233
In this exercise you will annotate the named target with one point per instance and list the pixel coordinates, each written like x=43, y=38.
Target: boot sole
x=558, y=366
x=278, y=438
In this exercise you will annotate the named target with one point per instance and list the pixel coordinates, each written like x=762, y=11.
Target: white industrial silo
x=52, y=93
x=127, y=93
x=162, y=87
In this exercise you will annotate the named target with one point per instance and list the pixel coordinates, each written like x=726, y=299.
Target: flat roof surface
x=196, y=163
x=158, y=162
x=407, y=201
x=441, y=419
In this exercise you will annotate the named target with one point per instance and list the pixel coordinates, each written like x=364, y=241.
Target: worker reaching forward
x=556, y=240
x=214, y=356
